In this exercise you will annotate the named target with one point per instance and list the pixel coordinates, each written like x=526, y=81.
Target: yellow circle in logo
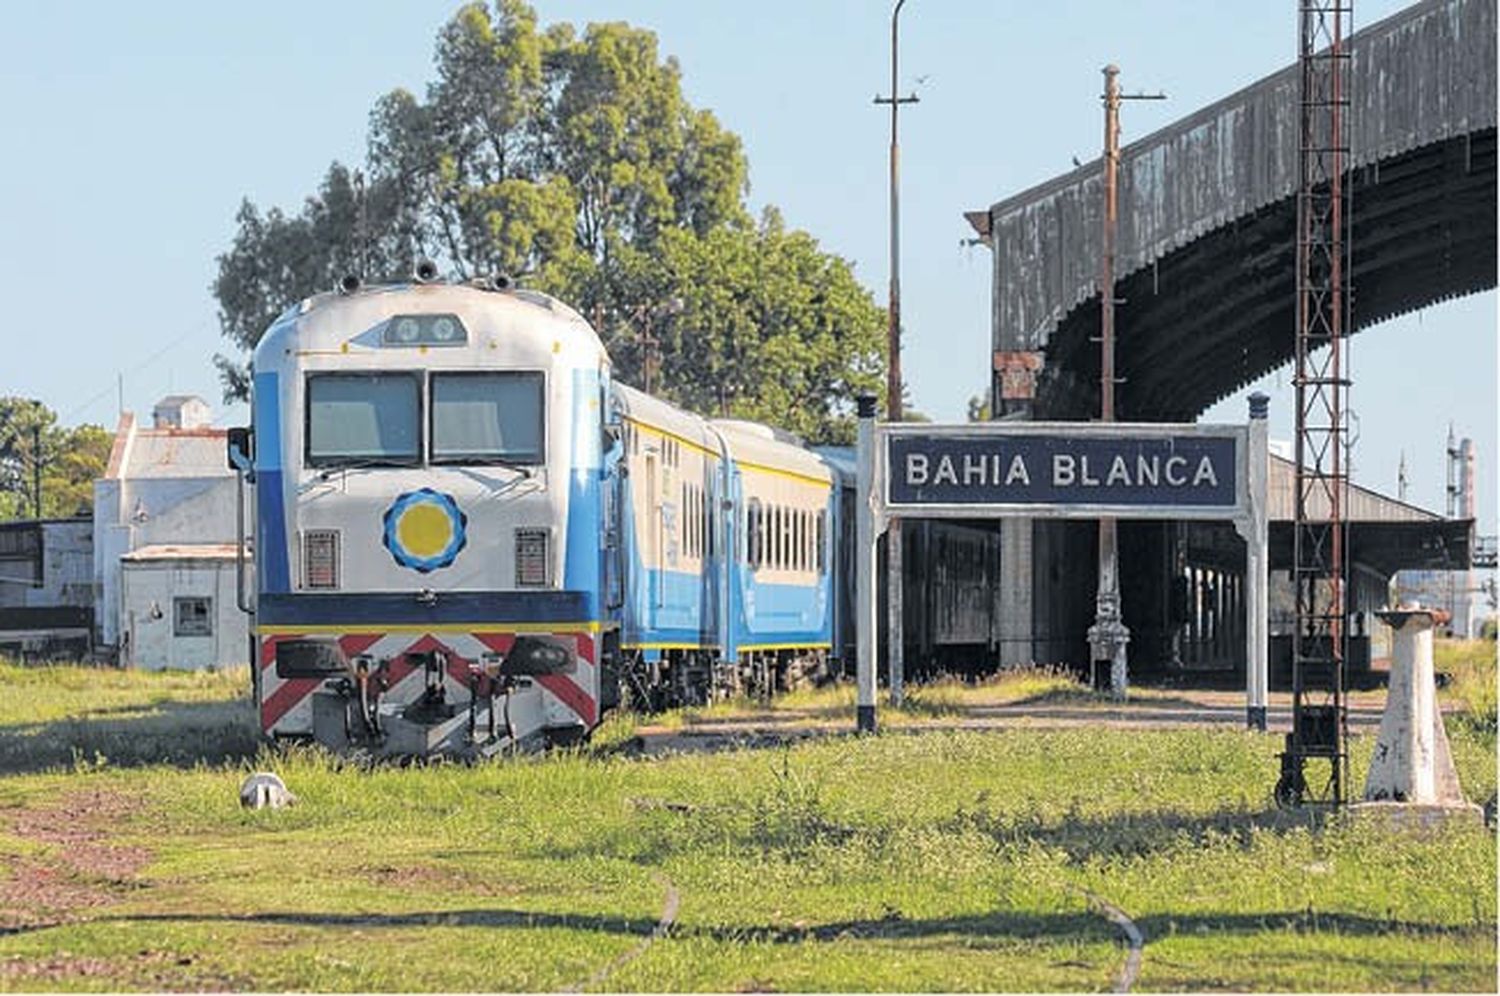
x=424, y=530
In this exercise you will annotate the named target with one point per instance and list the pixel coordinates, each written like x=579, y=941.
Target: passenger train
x=467, y=537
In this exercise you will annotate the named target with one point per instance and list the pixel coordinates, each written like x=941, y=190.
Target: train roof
x=745, y=442
x=842, y=460
x=325, y=321
x=642, y=407
x=753, y=443
x=536, y=298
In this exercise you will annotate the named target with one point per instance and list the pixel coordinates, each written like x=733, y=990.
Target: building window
x=192, y=616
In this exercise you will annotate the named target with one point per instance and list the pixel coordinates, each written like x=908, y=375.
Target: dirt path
x=76, y=872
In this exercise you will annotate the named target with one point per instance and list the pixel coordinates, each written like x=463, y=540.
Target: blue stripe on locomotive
x=583, y=555
x=271, y=560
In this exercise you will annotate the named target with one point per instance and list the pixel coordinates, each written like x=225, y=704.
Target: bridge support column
x=1012, y=397
x=1017, y=648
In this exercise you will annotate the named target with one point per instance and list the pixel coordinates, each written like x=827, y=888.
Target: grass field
x=912, y=860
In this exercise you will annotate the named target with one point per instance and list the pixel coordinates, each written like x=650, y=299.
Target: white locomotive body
x=428, y=469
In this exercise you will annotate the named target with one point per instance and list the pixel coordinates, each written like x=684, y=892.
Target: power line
x=85, y=406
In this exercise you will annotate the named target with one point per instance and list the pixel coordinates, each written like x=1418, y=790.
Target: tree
x=574, y=162
x=770, y=328
x=70, y=461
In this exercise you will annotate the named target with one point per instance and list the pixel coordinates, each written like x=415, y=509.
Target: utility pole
x=1109, y=636
x=893, y=369
x=36, y=467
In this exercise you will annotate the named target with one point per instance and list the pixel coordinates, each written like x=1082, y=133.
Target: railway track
x=1179, y=710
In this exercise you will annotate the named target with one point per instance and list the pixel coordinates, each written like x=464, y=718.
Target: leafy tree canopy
x=70, y=460
x=573, y=162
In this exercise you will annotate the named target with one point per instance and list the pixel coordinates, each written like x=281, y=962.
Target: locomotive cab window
x=371, y=419
x=487, y=416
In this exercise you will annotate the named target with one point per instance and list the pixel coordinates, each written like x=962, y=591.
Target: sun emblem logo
x=424, y=530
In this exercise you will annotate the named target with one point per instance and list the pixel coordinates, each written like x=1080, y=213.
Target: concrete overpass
x=1207, y=219
x=1206, y=271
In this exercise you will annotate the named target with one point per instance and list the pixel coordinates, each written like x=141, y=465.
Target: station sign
x=1082, y=467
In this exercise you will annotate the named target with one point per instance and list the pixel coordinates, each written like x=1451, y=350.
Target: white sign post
x=1075, y=470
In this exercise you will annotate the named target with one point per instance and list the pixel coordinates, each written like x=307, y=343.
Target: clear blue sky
x=133, y=131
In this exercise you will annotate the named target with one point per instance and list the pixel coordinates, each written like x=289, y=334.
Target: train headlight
x=424, y=330
x=444, y=329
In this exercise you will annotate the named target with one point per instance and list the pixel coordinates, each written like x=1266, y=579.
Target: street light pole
x=893, y=366
x=1109, y=636
x=893, y=328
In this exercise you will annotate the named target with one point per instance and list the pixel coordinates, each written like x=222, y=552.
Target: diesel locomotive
x=466, y=537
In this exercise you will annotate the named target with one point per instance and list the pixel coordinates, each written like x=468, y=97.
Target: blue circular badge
x=424, y=530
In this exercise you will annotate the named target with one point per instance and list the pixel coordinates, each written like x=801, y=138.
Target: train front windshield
x=376, y=419
x=489, y=416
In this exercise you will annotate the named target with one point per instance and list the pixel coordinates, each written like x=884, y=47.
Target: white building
x=164, y=533
x=179, y=605
x=46, y=588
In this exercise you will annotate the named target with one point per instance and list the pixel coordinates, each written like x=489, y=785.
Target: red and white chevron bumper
x=568, y=699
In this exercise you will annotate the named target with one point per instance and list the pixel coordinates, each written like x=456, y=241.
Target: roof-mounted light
x=424, y=330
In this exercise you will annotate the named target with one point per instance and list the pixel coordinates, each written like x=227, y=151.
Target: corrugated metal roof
x=1364, y=505
x=177, y=453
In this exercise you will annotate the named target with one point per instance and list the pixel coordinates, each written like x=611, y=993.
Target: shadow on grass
x=181, y=734
x=1065, y=927
x=1135, y=834
x=790, y=824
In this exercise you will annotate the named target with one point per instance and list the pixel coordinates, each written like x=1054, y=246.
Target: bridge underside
x=1217, y=314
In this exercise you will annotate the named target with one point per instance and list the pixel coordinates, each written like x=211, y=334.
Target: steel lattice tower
x=1319, y=718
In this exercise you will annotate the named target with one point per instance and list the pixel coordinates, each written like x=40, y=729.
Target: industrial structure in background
x=1468, y=598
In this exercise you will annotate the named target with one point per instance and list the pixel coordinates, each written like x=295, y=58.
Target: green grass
x=58, y=715
x=939, y=698
x=908, y=861
x=1470, y=667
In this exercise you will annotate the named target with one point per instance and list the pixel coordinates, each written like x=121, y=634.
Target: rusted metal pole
x=1108, y=637
x=1107, y=254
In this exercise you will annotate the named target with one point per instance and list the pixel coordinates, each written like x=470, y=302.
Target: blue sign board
x=992, y=468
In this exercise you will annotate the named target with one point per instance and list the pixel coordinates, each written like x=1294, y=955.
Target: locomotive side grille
x=531, y=558
x=320, y=558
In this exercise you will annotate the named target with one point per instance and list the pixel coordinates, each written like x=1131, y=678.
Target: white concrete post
x=865, y=628
x=1412, y=761
x=895, y=614
x=1257, y=569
